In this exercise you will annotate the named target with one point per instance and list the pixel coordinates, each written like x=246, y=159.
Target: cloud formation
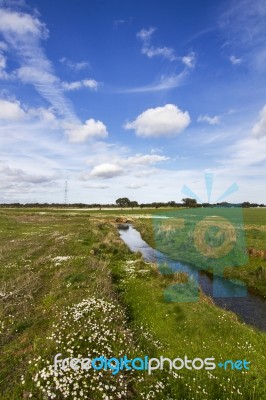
x=15, y=179
x=76, y=66
x=121, y=166
x=166, y=82
x=168, y=120
x=84, y=83
x=243, y=26
x=11, y=110
x=89, y=130
x=215, y=120
x=140, y=160
x=23, y=34
x=259, y=129
x=3, y=61
x=189, y=60
x=234, y=60
x=107, y=171
x=150, y=51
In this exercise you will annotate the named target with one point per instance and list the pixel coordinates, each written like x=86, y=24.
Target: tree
x=171, y=203
x=190, y=202
x=123, y=202
x=134, y=204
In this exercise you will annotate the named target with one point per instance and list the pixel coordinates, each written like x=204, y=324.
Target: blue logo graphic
x=201, y=238
x=239, y=365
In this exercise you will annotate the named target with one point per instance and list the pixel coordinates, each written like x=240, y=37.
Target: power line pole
x=66, y=193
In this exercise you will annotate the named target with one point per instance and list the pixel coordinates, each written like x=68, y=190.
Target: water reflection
x=250, y=307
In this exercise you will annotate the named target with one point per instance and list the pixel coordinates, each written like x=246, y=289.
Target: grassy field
x=69, y=285
x=253, y=270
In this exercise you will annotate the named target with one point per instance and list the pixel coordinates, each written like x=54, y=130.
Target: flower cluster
x=59, y=259
x=91, y=328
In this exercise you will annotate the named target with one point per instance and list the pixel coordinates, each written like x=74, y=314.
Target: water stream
x=251, y=308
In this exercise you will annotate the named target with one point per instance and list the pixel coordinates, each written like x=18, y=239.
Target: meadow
x=253, y=269
x=69, y=285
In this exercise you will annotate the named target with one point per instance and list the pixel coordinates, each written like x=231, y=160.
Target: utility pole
x=66, y=193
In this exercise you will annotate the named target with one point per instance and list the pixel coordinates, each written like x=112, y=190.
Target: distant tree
x=187, y=202
x=224, y=204
x=134, y=204
x=246, y=204
x=171, y=204
x=123, y=202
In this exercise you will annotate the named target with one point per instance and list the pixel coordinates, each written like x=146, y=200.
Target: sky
x=136, y=99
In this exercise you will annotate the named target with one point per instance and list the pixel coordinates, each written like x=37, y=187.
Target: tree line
x=124, y=202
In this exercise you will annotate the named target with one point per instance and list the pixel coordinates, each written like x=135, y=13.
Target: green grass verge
x=253, y=273
x=69, y=285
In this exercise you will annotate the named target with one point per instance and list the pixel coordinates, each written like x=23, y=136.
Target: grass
x=253, y=270
x=69, y=285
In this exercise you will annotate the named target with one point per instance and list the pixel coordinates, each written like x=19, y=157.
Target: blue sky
x=131, y=98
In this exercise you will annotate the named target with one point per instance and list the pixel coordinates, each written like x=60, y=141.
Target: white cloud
x=107, y=171
x=2, y=61
x=85, y=83
x=77, y=66
x=146, y=173
x=215, y=120
x=36, y=76
x=246, y=153
x=91, y=83
x=101, y=187
x=15, y=179
x=145, y=36
x=146, y=159
x=82, y=132
x=21, y=24
x=72, y=85
x=3, y=46
x=23, y=33
x=245, y=22
x=259, y=129
x=189, y=60
x=243, y=26
x=160, y=121
x=44, y=114
x=165, y=82
x=234, y=60
x=165, y=52
x=122, y=165
x=136, y=186
x=11, y=110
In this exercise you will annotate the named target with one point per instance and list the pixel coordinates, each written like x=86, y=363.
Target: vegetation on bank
x=69, y=285
x=253, y=272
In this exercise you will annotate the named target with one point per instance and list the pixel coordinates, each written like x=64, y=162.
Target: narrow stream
x=251, y=308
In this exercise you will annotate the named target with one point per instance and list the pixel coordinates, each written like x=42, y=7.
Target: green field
x=69, y=285
x=253, y=270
